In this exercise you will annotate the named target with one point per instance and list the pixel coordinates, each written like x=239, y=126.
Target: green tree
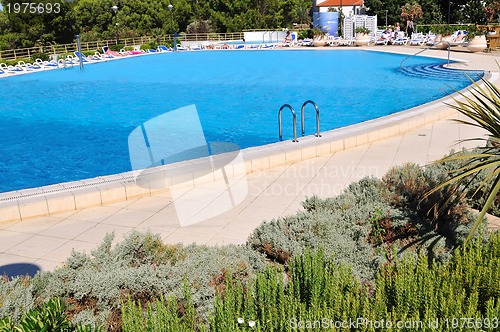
x=432, y=13
x=473, y=12
x=378, y=7
x=492, y=10
x=95, y=19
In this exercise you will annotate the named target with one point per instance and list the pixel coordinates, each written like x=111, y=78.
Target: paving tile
x=95, y=214
x=37, y=246
x=45, y=265
x=9, y=239
x=34, y=226
x=97, y=233
x=128, y=218
x=185, y=237
x=7, y=224
x=67, y=229
x=161, y=221
x=150, y=203
x=62, y=253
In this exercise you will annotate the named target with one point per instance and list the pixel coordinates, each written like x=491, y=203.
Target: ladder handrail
x=425, y=49
x=317, y=117
x=264, y=36
x=271, y=36
x=294, y=122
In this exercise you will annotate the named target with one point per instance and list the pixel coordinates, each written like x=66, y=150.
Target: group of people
x=389, y=35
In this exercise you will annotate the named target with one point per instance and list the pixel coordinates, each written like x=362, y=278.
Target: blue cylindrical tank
x=328, y=21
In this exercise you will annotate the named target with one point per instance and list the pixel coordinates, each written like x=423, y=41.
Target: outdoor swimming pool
x=68, y=124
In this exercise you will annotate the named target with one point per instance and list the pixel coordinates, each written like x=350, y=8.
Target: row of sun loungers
x=418, y=39
x=21, y=67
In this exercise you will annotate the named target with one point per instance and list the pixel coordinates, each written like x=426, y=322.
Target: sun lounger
x=268, y=46
x=458, y=38
x=400, y=41
x=305, y=42
x=11, y=69
x=80, y=56
x=114, y=53
x=163, y=48
x=417, y=39
x=104, y=55
x=134, y=52
x=46, y=64
x=29, y=66
x=339, y=41
x=195, y=47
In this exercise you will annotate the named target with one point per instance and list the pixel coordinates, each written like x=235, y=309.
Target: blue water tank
x=328, y=21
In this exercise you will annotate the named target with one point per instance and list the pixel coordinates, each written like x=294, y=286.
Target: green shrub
x=16, y=61
x=443, y=216
x=16, y=297
x=341, y=225
x=142, y=267
x=50, y=316
x=303, y=34
x=88, y=52
x=161, y=315
x=43, y=56
x=319, y=292
x=410, y=183
x=152, y=45
x=116, y=47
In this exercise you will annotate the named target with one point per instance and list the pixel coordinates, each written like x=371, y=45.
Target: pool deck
x=272, y=189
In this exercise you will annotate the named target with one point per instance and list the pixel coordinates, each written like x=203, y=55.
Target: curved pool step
x=439, y=72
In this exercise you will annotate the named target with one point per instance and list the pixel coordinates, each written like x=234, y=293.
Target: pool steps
x=438, y=72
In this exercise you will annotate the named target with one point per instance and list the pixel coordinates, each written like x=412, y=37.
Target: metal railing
x=425, y=49
x=303, y=125
x=27, y=53
x=280, y=125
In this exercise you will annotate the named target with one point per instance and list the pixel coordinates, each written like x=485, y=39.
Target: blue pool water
x=68, y=124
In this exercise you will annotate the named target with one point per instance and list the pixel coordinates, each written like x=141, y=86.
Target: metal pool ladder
x=280, y=124
x=317, y=117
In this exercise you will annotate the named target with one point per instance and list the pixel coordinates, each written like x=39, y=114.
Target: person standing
x=397, y=30
x=409, y=27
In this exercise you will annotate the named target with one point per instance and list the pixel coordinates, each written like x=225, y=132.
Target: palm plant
x=482, y=108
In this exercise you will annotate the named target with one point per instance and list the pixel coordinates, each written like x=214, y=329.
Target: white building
x=347, y=7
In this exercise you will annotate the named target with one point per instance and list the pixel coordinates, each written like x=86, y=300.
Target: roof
x=336, y=3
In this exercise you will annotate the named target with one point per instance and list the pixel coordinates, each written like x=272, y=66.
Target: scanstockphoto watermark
x=362, y=323
x=295, y=188
x=308, y=170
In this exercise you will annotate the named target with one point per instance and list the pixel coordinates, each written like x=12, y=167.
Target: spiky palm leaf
x=482, y=108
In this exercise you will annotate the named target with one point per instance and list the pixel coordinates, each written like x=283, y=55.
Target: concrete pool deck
x=272, y=191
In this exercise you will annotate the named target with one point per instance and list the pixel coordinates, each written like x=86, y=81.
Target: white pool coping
x=76, y=195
